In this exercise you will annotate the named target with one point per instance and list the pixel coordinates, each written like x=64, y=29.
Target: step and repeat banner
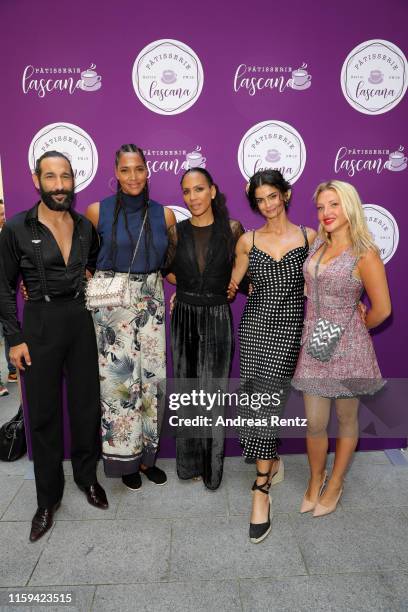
x=313, y=90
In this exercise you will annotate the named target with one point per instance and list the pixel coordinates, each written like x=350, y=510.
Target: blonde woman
x=342, y=263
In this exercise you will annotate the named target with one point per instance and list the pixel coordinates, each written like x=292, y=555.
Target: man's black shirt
x=17, y=257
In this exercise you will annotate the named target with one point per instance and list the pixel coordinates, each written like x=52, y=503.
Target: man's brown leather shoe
x=42, y=521
x=96, y=496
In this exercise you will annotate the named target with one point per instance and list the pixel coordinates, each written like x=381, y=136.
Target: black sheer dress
x=202, y=338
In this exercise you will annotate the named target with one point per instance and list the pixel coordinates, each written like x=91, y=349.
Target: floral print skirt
x=132, y=368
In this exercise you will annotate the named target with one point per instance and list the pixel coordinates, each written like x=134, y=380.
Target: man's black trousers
x=61, y=340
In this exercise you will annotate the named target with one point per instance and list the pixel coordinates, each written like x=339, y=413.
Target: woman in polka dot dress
x=271, y=326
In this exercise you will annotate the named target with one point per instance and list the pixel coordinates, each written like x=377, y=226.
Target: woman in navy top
x=131, y=341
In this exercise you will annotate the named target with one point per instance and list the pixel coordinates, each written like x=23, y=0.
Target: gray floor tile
x=9, y=485
x=175, y=499
x=14, y=468
x=286, y=495
x=375, y=486
x=74, y=504
x=175, y=596
x=294, y=461
x=397, y=583
x=317, y=594
x=218, y=548
x=19, y=555
x=105, y=552
x=82, y=597
x=370, y=457
x=354, y=541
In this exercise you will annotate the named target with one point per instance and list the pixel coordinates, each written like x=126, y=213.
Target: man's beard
x=46, y=197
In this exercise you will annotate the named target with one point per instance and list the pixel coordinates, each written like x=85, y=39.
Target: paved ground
x=182, y=548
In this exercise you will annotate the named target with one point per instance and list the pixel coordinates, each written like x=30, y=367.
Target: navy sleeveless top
x=144, y=262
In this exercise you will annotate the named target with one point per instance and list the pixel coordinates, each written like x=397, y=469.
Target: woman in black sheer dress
x=201, y=256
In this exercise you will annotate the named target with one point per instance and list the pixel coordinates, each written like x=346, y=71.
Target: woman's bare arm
x=169, y=217
x=92, y=213
x=241, y=258
x=311, y=235
x=372, y=273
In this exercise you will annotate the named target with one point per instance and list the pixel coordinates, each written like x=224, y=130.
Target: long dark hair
x=120, y=208
x=274, y=178
x=219, y=210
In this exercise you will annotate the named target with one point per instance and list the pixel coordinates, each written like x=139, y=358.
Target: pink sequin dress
x=353, y=369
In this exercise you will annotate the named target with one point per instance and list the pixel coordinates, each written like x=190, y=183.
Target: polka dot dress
x=270, y=333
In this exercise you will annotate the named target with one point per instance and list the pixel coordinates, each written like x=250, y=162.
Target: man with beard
x=51, y=246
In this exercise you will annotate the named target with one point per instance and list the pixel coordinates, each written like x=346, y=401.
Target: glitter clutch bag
x=104, y=291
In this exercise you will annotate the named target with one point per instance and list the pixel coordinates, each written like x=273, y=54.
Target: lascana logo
x=74, y=143
x=352, y=160
x=44, y=80
x=253, y=79
x=167, y=77
x=383, y=228
x=174, y=160
x=374, y=77
x=272, y=145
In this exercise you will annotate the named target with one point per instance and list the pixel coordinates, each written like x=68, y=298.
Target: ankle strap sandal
x=267, y=484
x=259, y=531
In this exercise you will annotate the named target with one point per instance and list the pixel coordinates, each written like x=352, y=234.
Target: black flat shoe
x=132, y=481
x=155, y=474
x=259, y=531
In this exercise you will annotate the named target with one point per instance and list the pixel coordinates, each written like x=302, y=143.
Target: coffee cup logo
x=383, y=228
x=90, y=79
x=374, y=77
x=167, y=77
x=272, y=156
x=72, y=141
x=272, y=145
x=301, y=79
x=397, y=161
x=195, y=159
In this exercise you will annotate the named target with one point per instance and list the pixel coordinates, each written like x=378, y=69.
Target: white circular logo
x=180, y=212
x=272, y=145
x=74, y=143
x=374, y=77
x=383, y=228
x=167, y=77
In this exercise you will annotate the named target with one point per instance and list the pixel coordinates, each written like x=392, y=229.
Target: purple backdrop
x=260, y=63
